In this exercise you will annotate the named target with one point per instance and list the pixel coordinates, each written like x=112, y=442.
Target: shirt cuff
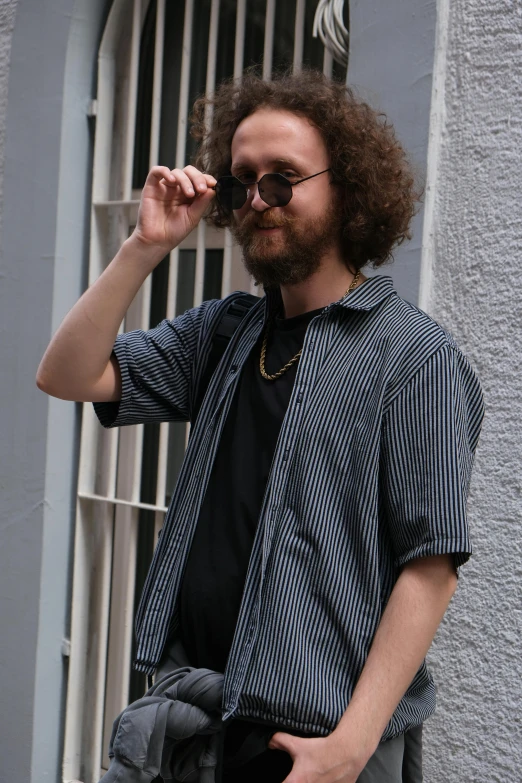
x=460, y=549
x=117, y=414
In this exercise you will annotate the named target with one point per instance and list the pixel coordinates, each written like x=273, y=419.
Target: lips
x=260, y=227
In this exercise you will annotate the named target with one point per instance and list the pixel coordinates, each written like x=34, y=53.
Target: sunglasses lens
x=275, y=190
x=231, y=193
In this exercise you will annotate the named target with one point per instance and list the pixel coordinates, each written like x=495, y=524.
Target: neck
x=326, y=285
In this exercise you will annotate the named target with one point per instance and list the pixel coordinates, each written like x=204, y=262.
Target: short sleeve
x=430, y=434
x=157, y=371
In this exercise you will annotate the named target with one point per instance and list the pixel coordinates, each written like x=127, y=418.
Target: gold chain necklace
x=287, y=366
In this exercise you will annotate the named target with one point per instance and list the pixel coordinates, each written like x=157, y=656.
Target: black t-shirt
x=216, y=568
x=218, y=560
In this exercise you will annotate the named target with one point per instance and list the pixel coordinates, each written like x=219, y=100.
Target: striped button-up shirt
x=371, y=469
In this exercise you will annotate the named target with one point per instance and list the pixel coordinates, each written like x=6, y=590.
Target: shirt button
x=233, y=368
x=299, y=398
x=285, y=455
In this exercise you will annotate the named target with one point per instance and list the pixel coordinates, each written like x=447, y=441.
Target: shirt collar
x=365, y=297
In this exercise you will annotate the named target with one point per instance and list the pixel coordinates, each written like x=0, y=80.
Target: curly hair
x=378, y=188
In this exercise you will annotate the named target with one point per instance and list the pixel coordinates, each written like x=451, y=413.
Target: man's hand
x=412, y=615
x=172, y=204
x=320, y=760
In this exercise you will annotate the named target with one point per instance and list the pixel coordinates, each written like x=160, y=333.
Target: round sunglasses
x=274, y=189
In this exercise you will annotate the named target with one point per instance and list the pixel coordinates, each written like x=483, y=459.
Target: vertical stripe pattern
x=371, y=470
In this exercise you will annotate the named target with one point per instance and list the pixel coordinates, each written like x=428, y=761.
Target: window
x=154, y=58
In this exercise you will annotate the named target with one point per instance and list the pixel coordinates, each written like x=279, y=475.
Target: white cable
x=329, y=26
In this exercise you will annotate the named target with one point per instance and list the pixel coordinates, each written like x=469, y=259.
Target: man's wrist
x=146, y=253
x=359, y=740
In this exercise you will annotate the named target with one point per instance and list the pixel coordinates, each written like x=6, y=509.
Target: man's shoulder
x=226, y=313
x=410, y=328
x=413, y=338
x=395, y=319
x=221, y=305
x=210, y=311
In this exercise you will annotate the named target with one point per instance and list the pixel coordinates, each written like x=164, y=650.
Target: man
x=311, y=546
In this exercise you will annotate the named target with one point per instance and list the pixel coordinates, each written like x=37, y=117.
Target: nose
x=256, y=202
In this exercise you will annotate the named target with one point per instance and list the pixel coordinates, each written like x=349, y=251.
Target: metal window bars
x=126, y=476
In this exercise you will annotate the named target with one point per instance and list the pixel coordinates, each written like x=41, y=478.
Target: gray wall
x=476, y=293
x=7, y=20
x=472, y=240
x=46, y=185
x=391, y=62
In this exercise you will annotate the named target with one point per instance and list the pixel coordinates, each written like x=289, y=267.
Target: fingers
x=157, y=174
x=200, y=181
x=283, y=741
x=188, y=181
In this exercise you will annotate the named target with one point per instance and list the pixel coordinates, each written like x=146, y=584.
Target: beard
x=295, y=254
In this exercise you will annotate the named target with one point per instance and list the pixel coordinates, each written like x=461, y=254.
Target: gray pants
x=397, y=761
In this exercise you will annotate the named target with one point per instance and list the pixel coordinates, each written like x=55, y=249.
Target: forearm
x=76, y=365
x=80, y=350
x=408, y=625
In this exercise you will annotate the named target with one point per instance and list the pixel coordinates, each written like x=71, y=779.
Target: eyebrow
x=274, y=162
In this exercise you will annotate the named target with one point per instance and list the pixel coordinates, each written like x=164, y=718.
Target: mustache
x=270, y=218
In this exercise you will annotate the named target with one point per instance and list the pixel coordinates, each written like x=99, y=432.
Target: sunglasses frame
x=246, y=187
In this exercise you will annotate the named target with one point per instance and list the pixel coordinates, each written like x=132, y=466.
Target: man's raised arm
x=77, y=365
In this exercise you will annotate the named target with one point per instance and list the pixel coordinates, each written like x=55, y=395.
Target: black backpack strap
x=227, y=325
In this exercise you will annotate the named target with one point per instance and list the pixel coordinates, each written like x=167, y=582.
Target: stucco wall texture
x=476, y=293
x=7, y=20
